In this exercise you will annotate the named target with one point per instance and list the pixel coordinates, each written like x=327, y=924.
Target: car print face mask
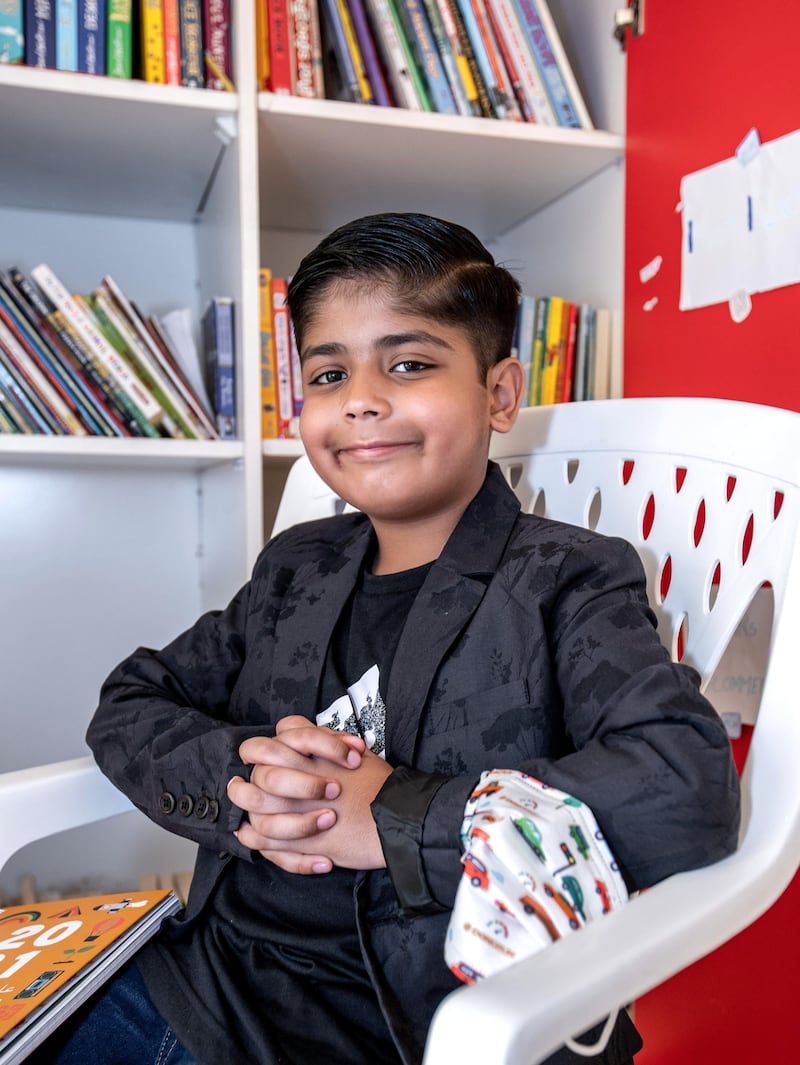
x=536, y=867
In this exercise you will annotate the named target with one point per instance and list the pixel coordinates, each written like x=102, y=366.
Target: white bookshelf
x=181, y=195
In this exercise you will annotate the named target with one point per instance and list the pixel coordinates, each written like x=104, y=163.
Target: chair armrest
x=523, y=1014
x=47, y=799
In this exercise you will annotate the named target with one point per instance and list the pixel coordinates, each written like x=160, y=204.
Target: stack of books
x=172, y=42
x=498, y=59
x=566, y=350
x=281, y=381
x=95, y=365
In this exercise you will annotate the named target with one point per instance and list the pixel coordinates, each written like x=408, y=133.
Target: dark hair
x=429, y=267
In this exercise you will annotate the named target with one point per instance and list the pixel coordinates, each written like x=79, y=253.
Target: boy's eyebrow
x=391, y=340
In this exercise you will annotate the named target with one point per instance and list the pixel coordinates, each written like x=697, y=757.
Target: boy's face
x=395, y=418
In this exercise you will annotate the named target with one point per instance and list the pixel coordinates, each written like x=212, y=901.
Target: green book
x=119, y=54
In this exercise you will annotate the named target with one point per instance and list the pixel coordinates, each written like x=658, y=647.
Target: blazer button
x=166, y=802
x=213, y=809
x=201, y=807
x=185, y=805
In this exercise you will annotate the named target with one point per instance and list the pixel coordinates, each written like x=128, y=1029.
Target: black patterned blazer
x=530, y=646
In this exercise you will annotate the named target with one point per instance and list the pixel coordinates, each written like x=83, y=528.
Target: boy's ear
x=505, y=386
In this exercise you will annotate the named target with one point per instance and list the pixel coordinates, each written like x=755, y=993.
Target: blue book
x=66, y=34
x=219, y=345
x=40, y=33
x=566, y=104
x=423, y=43
x=497, y=97
x=92, y=36
x=12, y=37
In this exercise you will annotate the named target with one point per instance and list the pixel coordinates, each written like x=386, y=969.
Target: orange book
x=56, y=954
x=269, y=370
x=172, y=43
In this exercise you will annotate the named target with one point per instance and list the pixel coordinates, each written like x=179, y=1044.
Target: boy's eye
x=328, y=377
x=410, y=366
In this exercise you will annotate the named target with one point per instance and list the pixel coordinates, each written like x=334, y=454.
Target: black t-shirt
x=273, y=973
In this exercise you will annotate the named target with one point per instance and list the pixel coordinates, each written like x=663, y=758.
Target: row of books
x=499, y=59
x=566, y=350
x=173, y=42
x=281, y=383
x=95, y=365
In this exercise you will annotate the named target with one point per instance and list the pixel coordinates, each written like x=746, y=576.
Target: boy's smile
x=395, y=417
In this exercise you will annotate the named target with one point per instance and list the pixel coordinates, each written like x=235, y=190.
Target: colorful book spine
x=262, y=47
x=220, y=352
x=191, y=31
x=28, y=406
x=52, y=360
x=418, y=30
x=499, y=78
x=300, y=12
x=395, y=53
x=66, y=34
x=538, y=353
x=269, y=376
x=172, y=42
x=554, y=66
x=369, y=53
x=364, y=88
x=217, y=42
x=40, y=33
x=484, y=103
x=508, y=30
x=448, y=57
x=555, y=312
x=281, y=329
x=456, y=49
x=523, y=348
x=88, y=332
x=119, y=40
x=279, y=37
x=151, y=28
x=92, y=36
x=12, y=31
x=37, y=381
x=498, y=105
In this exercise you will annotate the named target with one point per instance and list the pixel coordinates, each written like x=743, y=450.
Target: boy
x=319, y=737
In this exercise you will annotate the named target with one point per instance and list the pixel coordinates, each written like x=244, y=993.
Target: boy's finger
x=284, y=783
x=279, y=831
x=304, y=864
x=313, y=741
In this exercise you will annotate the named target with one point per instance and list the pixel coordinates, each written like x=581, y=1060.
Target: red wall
x=701, y=76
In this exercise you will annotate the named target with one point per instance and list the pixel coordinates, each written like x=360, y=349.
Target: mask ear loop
x=586, y=1050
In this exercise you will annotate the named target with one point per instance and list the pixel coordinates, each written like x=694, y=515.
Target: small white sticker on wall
x=648, y=305
x=740, y=305
x=651, y=269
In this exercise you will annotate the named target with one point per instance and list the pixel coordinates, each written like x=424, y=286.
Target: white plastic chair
x=708, y=491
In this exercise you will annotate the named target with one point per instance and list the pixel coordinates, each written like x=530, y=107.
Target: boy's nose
x=364, y=397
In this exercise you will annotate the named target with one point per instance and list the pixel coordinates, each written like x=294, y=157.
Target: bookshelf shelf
x=106, y=146
x=282, y=449
x=370, y=159
x=119, y=453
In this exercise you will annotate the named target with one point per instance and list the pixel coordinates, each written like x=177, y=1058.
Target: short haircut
x=427, y=266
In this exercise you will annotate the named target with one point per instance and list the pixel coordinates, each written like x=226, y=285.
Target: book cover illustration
x=54, y=954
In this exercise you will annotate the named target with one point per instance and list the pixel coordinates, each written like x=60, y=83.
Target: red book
x=172, y=43
x=281, y=47
x=569, y=332
x=217, y=43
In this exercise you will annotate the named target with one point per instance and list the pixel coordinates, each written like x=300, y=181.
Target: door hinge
x=630, y=18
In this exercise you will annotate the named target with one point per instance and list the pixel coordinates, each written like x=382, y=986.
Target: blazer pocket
x=477, y=710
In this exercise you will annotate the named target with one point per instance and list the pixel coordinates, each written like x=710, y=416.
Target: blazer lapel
x=320, y=589
x=451, y=594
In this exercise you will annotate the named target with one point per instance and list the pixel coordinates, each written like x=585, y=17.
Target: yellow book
x=152, y=31
x=552, y=349
x=352, y=44
x=262, y=47
x=269, y=376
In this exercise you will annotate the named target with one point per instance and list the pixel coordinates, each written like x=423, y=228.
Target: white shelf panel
x=106, y=146
x=323, y=162
x=119, y=452
x=282, y=449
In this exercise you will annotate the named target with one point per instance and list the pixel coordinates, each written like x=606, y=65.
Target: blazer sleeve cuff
x=399, y=810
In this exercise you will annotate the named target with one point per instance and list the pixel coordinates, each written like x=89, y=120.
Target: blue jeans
x=118, y=1026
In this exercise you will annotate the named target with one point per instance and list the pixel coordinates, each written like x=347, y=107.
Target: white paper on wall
x=741, y=224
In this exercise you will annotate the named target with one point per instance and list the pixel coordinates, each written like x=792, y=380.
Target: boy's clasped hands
x=307, y=803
